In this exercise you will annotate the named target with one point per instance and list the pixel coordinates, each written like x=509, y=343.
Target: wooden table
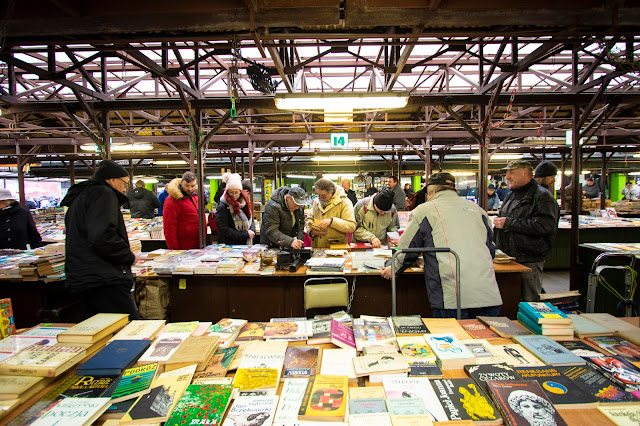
x=254, y=297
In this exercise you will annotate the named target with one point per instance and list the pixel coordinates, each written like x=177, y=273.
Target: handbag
x=319, y=293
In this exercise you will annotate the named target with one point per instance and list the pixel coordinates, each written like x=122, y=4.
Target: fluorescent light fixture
x=336, y=176
x=500, y=157
x=463, y=174
x=326, y=144
x=120, y=147
x=170, y=162
x=336, y=158
x=634, y=173
x=341, y=102
x=636, y=155
x=146, y=179
x=544, y=141
x=300, y=177
x=570, y=172
x=219, y=177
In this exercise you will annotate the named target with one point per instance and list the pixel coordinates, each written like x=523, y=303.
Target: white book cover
x=338, y=362
x=517, y=356
x=484, y=351
x=74, y=412
x=251, y=410
x=447, y=346
x=290, y=400
x=416, y=387
x=227, y=330
x=288, y=329
x=43, y=332
x=259, y=354
x=139, y=330
x=376, y=364
x=165, y=345
x=373, y=419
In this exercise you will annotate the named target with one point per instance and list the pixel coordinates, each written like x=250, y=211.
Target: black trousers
x=112, y=299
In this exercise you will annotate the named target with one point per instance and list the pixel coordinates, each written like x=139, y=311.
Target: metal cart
x=596, y=272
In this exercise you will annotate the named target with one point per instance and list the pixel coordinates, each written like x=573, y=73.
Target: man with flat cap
x=526, y=225
x=545, y=174
x=283, y=218
x=447, y=220
x=98, y=256
x=375, y=216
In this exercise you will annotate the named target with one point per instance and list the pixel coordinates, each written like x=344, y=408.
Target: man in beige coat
x=331, y=217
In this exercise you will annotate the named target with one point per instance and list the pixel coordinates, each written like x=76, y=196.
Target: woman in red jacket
x=180, y=214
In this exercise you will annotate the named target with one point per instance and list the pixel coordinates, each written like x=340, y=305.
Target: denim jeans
x=470, y=313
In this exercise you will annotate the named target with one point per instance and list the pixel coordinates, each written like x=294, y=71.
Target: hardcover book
x=201, y=405
x=372, y=331
x=462, y=399
x=417, y=387
x=291, y=397
x=504, y=327
x=367, y=406
x=560, y=390
x=252, y=409
x=548, y=351
x=134, y=382
x=584, y=327
x=409, y=325
x=622, y=416
x=517, y=356
x=543, y=313
x=44, y=361
x=74, y=412
x=338, y=362
x=325, y=399
x=415, y=349
x=590, y=380
x=194, y=350
x=380, y=364
x=617, y=346
x=21, y=387
x=93, y=329
x=140, y=330
x=157, y=405
x=477, y=330
x=481, y=374
x=115, y=357
x=342, y=335
x=218, y=365
x=523, y=403
x=301, y=361
x=451, y=353
x=251, y=331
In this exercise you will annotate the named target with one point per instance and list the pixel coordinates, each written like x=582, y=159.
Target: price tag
x=182, y=284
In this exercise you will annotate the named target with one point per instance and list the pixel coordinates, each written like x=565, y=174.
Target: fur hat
x=226, y=176
x=383, y=200
x=110, y=170
x=234, y=182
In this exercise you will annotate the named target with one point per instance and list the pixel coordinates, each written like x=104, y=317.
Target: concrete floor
x=555, y=281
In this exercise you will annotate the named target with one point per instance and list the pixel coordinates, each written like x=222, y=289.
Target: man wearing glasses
x=98, y=256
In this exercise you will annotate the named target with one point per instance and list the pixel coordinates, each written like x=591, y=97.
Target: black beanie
x=384, y=200
x=545, y=168
x=109, y=170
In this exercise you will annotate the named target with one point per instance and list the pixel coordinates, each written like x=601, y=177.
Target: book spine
x=305, y=399
x=535, y=328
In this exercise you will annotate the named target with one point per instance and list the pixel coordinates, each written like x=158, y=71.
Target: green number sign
x=339, y=140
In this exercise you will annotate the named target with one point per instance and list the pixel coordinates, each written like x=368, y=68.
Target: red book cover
x=360, y=246
x=342, y=335
x=478, y=330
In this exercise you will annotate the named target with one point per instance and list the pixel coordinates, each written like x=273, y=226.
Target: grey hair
x=325, y=185
x=188, y=177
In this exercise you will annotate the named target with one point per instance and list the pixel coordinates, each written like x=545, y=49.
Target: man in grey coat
x=399, y=197
x=283, y=218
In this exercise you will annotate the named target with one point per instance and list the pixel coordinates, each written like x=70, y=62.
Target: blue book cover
x=114, y=358
x=543, y=313
x=549, y=351
x=526, y=321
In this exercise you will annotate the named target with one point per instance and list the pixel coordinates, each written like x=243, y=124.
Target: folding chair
x=327, y=292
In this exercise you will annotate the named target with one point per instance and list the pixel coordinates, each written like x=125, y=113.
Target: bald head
x=346, y=184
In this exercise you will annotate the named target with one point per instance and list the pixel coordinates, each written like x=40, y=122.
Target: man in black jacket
x=142, y=202
x=98, y=256
x=283, y=218
x=351, y=194
x=17, y=228
x=526, y=225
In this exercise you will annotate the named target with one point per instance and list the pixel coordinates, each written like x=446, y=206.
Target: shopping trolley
x=596, y=274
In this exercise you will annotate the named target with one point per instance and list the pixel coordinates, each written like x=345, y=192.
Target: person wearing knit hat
x=527, y=223
x=447, y=220
x=234, y=214
x=545, y=174
x=375, y=216
x=493, y=201
x=221, y=188
x=98, y=256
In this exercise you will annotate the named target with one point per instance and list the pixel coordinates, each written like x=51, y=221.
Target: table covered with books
x=401, y=370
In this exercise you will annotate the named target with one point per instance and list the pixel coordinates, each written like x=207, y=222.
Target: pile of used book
x=544, y=318
x=399, y=370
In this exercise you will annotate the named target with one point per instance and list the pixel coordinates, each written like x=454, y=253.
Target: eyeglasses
x=234, y=192
x=126, y=182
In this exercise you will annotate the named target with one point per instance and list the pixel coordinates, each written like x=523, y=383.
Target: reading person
x=283, y=218
x=375, y=216
x=98, y=256
x=331, y=217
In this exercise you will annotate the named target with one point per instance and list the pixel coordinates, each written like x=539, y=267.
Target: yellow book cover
x=194, y=350
x=46, y=361
x=139, y=330
x=325, y=399
x=17, y=387
x=446, y=325
x=94, y=328
x=256, y=378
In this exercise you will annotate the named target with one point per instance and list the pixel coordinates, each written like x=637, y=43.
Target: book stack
x=7, y=324
x=206, y=268
x=135, y=245
x=326, y=265
x=545, y=319
x=50, y=265
x=230, y=265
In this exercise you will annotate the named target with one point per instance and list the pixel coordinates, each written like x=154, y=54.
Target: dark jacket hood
x=12, y=209
x=278, y=195
x=139, y=193
x=74, y=192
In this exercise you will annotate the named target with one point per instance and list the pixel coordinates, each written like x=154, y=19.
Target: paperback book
x=517, y=356
x=462, y=399
x=504, y=327
x=325, y=399
x=251, y=331
x=91, y=387
x=380, y=364
x=194, y=350
x=338, y=362
x=218, y=365
x=134, y=382
x=247, y=410
x=416, y=387
x=516, y=398
x=140, y=330
x=481, y=374
x=288, y=330
x=415, y=349
x=409, y=325
x=619, y=371
x=342, y=335
x=584, y=327
x=168, y=342
x=451, y=353
x=594, y=383
x=201, y=405
x=560, y=390
x=227, y=329
x=291, y=397
x=484, y=352
x=372, y=331
x=543, y=313
x=622, y=416
x=44, y=361
x=301, y=361
x=367, y=406
x=115, y=357
x=617, y=346
x=478, y=330
x=74, y=412
x=321, y=332
x=581, y=349
x=93, y=329
x=548, y=351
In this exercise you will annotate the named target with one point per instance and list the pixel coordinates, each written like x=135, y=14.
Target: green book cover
x=201, y=405
x=134, y=382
